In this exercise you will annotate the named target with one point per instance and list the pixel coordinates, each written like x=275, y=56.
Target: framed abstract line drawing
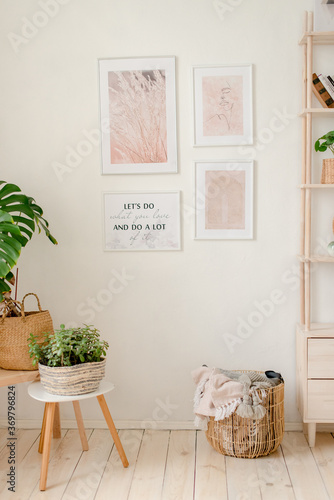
x=223, y=111
x=142, y=221
x=138, y=115
x=224, y=200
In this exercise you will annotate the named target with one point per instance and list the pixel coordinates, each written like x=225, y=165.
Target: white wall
x=172, y=315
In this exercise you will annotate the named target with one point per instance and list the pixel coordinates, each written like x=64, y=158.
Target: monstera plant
x=20, y=217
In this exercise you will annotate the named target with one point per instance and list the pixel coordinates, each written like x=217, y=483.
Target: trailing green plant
x=327, y=142
x=68, y=346
x=20, y=217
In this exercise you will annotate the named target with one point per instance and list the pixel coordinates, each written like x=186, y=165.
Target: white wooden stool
x=36, y=391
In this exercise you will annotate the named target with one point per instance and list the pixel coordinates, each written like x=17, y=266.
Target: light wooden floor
x=167, y=465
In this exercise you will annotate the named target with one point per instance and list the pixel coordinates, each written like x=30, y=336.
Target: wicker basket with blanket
x=241, y=411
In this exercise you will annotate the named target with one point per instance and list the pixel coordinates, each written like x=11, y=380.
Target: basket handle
x=38, y=303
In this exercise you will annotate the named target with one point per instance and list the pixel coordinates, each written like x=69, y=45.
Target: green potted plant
x=322, y=144
x=20, y=217
x=71, y=361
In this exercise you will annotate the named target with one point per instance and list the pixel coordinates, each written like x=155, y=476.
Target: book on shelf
x=327, y=84
x=330, y=78
x=321, y=93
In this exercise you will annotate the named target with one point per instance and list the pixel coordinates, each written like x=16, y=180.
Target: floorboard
x=324, y=457
x=61, y=467
x=116, y=481
x=87, y=475
x=29, y=470
x=305, y=477
x=21, y=444
x=3, y=438
x=242, y=478
x=273, y=477
x=210, y=475
x=150, y=467
x=179, y=475
x=166, y=465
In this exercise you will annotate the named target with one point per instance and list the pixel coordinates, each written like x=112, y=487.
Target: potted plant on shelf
x=20, y=217
x=327, y=142
x=71, y=361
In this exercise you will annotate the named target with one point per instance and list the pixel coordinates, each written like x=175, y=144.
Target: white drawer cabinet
x=320, y=357
x=315, y=376
x=320, y=403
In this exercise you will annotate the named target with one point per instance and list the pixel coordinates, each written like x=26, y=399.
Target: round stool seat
x=37, y=391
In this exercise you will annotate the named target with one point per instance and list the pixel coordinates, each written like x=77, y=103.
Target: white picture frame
x=138, y=115
x=223, y=105
x=224, y=199
x=137, y=221
x=323, y=15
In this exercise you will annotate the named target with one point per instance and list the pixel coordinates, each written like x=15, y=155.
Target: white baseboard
x=139, y=424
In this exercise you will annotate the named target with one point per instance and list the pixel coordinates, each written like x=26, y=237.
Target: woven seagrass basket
x=246, y=438
x=72, y=380
x=14, y=334
x=327, y=174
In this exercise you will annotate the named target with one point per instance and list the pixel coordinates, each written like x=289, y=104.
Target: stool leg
x=80, y=423
x=41, y=439
x=112, y=428
x=56, y=423
x=50, y=410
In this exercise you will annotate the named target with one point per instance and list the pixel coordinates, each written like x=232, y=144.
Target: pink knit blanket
x=218, y=395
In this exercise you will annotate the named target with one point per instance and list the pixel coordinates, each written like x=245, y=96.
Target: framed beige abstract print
x=224, y=200
x=223, y=113
x=138, y=115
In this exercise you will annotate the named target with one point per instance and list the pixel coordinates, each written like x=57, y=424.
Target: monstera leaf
x=10, y=248
x=19, y=219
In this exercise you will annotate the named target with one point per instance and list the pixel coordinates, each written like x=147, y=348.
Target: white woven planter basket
x=72, y=380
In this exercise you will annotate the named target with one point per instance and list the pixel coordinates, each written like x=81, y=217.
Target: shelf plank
x=12, y=377
x=317, y=330
x=316, y=186
x=322, y=111
x=318, y=37
x=316, y=258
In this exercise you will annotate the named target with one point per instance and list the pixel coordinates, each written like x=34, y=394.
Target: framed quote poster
x=224, y=200
x=142, y=221
x=138, y=115
x=223, y=113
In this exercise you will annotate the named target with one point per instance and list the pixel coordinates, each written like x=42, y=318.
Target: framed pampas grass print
x=138, y=115
x=223, y=114
x=224, y=200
